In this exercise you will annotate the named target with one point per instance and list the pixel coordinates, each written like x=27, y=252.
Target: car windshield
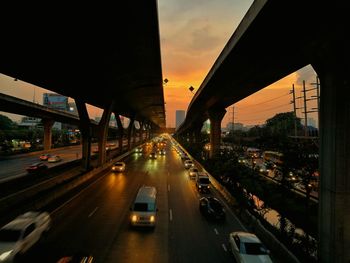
x=254, y=249
x=204, y=180
x=118, y=164
x=215, y=205
x=9, y=235
x=194, y=170
x=144, y=207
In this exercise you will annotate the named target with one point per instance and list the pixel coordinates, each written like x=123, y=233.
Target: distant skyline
x=193, y=33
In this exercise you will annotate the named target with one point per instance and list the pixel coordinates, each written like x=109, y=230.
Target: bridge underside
x=98, y=54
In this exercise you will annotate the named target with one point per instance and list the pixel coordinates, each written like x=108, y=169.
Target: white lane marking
x=93, y=212
x=224, y=247
x=216, y=231
x=170, y=215
x=168, y=187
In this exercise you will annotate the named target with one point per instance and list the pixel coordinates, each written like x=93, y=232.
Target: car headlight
x=5, y=255
x=134, y=218
x=200, y=186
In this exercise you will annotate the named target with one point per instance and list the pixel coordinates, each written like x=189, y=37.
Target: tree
x=6, y=123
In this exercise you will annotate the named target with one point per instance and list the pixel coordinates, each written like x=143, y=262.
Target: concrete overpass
x=274, y=39
x=98, y=54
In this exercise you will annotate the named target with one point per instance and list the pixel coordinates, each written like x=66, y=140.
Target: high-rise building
x=180, y=117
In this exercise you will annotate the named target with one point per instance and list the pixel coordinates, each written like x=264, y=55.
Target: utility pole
x=305, y=109
x=317, y=97
x=233, y=118
x=295, y=110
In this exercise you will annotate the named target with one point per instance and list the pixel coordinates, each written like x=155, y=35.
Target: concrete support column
x=215, y=117
x=141, y=133
x=86, y=131
x=48, y=123
x=197, y=135
x=121, y=133
x=103, y=127
x=130, y=132
x=334, y=193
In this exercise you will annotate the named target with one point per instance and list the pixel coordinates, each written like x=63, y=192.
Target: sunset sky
x=193, y=33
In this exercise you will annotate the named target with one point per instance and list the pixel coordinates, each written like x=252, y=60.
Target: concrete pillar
x=130, y=132
x=103, y=127
x=334, y=192
x=86, y=131
x=141, y=133
x=121, y=133
x=48, y=123
x=197, y=135
x=215, y=117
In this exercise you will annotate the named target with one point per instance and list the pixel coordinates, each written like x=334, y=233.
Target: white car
x=188, y=164
x=192, y=172
x=247, y=247
x=118, y=167
x=22, y=233
x=54, y=159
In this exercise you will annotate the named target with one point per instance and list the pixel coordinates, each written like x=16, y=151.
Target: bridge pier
x=334, y=193
x=103, y=134
x=121, y=132
x=215, y=117
x=130, y=132
x=86, y=132
x=197, y=134
x=48, y=123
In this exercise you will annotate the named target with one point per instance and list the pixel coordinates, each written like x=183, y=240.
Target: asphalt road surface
x=96, y=221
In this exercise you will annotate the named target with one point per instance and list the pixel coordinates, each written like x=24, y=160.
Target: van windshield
x=144, y=207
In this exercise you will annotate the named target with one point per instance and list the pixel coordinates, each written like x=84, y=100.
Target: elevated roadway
x=273, y=40
x=276, y=38
x=112, y=62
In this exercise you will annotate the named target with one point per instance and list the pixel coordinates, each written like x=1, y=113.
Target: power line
x=273, y=108
x=265, y=101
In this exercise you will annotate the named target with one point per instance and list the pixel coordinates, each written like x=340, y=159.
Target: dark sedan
x=36, y=168
x=212, y=208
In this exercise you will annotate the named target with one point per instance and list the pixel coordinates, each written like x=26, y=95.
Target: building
x=30, y=122
x=180, y=117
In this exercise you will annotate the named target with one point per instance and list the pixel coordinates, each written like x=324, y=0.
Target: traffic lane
x=17, y=167
x=143, y=244
x=86, y=225
x=13, y=168
x=194, y=237
x=91, y=222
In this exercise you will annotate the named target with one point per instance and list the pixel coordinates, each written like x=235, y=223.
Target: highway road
x=15, y=166
x=96, y=221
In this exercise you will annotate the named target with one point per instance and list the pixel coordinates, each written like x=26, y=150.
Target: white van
x=144, y=208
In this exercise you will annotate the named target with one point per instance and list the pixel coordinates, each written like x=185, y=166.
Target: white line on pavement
x=216, y=231
x=170, y=215
x=93, y=212
x=224, y=247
